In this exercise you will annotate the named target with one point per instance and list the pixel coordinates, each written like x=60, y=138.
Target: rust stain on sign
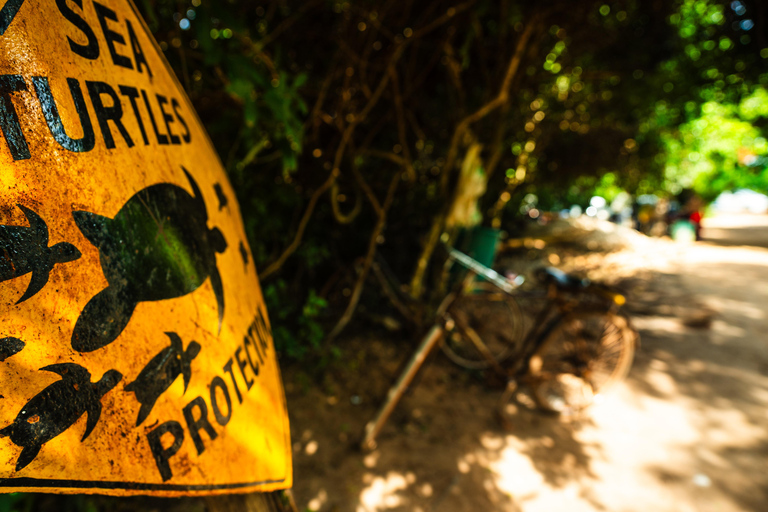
x=136, y=355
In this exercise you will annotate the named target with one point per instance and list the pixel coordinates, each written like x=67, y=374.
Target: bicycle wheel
x=583, y=356
x=482, y=329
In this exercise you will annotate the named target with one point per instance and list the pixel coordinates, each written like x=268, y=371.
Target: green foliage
x=295, y=328
x=722, y=149
x=31, y=502
x=16, y=502
x=608, y=96
x=713, y=131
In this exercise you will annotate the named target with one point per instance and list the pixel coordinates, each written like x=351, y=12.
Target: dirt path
x=686, y=432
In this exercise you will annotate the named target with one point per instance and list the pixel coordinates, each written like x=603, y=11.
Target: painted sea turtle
x=157, y=247
x=223, y=201
x=25, y=249
x=58, y=407
x=10, y=346
x=161, y=372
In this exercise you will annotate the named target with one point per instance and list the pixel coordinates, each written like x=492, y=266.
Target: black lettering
x=241, y=364
x=218, y=383
x=105, y=13
x=161, y=138
x=163, y=454
x=132, y=94
x=138, y=54
x=264, y=332
x=105, y=114
x=53, y=119
x=228, y=368
x=255, y=367
x=194, y=425
x=90, y=50
x=9, y=119
x=8, y=12
x=162, y=100
x=255, y=344
x=187, y=135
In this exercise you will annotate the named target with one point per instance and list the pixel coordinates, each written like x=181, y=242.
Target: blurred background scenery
x=625, y=140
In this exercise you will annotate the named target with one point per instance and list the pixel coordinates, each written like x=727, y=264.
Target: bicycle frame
x=555, y=310
x=428, y=343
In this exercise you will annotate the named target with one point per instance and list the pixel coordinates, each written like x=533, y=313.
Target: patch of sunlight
x=516, y=475
x=381, y=493
x=734, y=221
x=740, y=307
x=658, y=324
x=491, y=442
x=661, y=382
x=371, y=459
x=731, y=428
x=711, y=457
x=633, y=432
x=740, y=374
x=737, y=255
x=515, y=472
x=760, y=395
x=426, y=490
x=625, y=440
x=318, y=501
x=727, y=330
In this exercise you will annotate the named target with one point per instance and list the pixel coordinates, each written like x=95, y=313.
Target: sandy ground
x=687, y=431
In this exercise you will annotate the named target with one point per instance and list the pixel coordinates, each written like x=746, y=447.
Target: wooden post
x=279, y=501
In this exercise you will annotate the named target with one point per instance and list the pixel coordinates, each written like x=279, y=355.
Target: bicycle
x=580, y=343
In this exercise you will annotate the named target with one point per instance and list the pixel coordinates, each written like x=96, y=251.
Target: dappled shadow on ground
x=443, y=448
x=753, y=236
x=735, y=230
x=430, y=455
x=703, y=349
x=687, y=431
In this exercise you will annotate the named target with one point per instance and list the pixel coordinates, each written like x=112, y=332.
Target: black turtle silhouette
x=223, y=201
x=161, y=372
x=10, y=346
x=25, y=249
x=244, y=254
x=58, y=407
x=157, y=247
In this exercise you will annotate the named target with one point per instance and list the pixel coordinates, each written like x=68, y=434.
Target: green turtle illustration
x=58, y=407
x=161, y=372
x=157, y=247
x=25, y=249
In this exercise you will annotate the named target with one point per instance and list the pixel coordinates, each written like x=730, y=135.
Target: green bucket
x=683, y=231
x=480, y=243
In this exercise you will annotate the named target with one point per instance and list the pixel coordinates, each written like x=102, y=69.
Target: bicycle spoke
x=487, y=327
x=581, y=357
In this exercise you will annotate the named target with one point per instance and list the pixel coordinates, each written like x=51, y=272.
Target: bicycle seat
x=561, y=279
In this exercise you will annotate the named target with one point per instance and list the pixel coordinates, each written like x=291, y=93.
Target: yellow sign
x=136, y=355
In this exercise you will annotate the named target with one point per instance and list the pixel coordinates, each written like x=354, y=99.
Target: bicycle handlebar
x=488, y=273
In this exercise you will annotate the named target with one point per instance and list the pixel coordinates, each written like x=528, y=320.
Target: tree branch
x=286, y=24
x=335, y=171
x=372, y=243
x=401, y=126
x=417, y=281
x=501, y=98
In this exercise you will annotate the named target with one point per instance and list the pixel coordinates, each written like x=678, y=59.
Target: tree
x=345, y=125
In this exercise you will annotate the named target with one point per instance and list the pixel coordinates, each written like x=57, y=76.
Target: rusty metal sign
x=136, y=355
